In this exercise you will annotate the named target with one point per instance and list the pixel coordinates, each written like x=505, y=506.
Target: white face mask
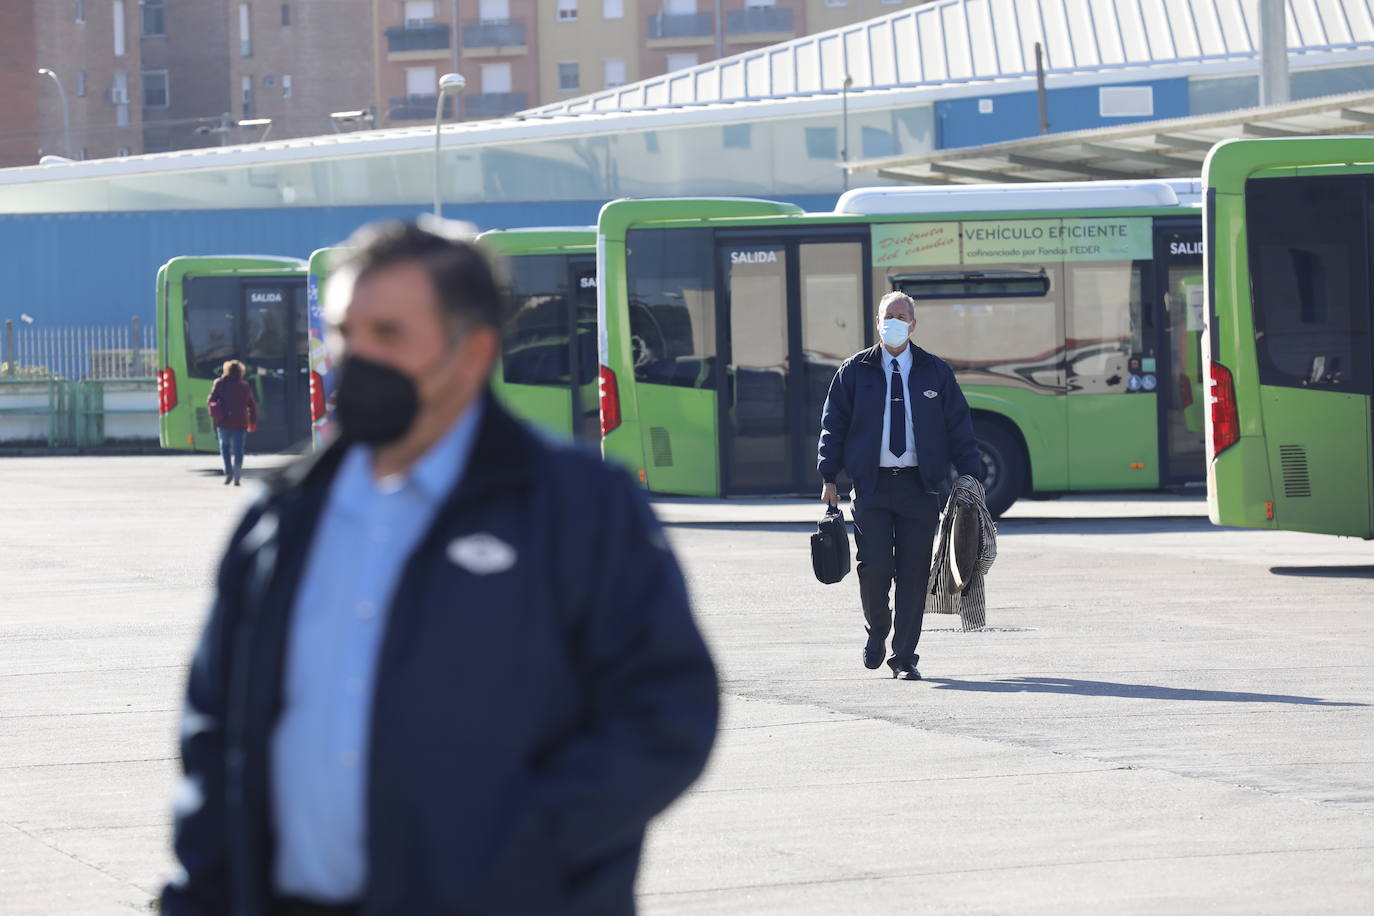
x=895, y=332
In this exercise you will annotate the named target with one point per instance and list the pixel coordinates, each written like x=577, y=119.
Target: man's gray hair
x=896, y=296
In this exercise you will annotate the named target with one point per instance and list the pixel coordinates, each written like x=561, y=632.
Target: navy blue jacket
x=852, y=421
x=527, y=724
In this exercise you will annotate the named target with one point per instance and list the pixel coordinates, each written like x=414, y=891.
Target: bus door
x=1112, y=359
x=789, y=312
x=1178, y=296
x=261, y=321
x=275, y=347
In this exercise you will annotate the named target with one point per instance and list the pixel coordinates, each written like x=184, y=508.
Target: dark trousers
x=894, y=528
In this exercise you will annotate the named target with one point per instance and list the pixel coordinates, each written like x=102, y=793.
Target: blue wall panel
x=68, y=269
x=959, y=123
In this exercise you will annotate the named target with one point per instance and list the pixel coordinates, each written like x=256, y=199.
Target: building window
x=154, y=18
x=613, y=9
x=123, y=151
x=682, y=60
x=155, y=89
x=496, y=78
x=119, y=94
x=419, y=12
x=735, y=136
x=79, y=9
x=117, y=8
x=493, y=10
x=749, y=3
x=81, y=82
x=822, y=143
x=247, y=87
x=567, y=10
x=245, y=31
x=286, y=86
x=286, y=14
x=422, y=82
x=568, y=79
x=615, y=72
x=1126, y=101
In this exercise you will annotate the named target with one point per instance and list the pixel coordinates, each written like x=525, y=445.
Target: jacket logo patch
x=482, y=554
x=931, y=394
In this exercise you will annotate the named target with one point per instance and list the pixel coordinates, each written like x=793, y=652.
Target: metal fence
x=78, y=353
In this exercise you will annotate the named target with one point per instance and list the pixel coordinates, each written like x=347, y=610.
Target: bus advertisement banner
x=1013, y=240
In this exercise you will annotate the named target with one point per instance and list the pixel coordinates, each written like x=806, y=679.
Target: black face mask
x=374, y=403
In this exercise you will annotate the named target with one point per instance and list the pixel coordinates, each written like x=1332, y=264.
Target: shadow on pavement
x=1329, y=572
x=1127, y=691
x=1120, y=524
x=1114, y=525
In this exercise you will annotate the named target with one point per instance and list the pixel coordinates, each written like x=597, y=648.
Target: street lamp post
x=844, y=126
x=66, y=115
x=449, y=84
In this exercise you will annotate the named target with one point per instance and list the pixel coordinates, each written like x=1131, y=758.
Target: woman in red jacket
x=234, y=413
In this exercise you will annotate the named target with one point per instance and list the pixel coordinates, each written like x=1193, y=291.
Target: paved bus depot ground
x=1161, y=717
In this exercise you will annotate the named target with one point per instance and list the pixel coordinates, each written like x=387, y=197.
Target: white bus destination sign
x=1012, y=241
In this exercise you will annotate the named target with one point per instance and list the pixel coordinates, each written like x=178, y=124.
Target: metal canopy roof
x=1171, y=148
x=957, y=42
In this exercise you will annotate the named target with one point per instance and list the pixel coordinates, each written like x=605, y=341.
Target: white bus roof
x=1066, y=195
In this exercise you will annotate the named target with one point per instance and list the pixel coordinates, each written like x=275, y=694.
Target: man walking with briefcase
x=895, y=419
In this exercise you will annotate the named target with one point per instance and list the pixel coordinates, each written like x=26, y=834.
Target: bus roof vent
x=1063, y=195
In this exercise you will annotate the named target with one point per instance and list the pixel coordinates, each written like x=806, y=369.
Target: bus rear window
x=671, y=281
x=1309, y=280
x=211, y=318
x=993, y=284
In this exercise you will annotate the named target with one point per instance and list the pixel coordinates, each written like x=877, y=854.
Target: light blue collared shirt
x=366, y=532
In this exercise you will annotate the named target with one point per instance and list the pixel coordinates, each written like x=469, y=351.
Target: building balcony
x=494, y=104
x=676, y=26
x=491, y=34
x=759, y=20
x=432, y=36
x=418, y=108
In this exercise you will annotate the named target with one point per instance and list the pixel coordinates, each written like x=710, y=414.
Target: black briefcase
x=830, y=547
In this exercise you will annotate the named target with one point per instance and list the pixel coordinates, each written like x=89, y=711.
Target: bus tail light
x=610, y=401
x=316, y=397
x=166, y=390
x=1225, y=420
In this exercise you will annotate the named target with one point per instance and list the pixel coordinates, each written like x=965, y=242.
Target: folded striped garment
x=966, y=550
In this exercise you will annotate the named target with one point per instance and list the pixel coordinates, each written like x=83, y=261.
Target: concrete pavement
x=1163, y=716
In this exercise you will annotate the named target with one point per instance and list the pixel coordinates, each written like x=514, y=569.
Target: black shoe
x=873, y=656
x=906, y=671
x=236, y=481
x=228, y=480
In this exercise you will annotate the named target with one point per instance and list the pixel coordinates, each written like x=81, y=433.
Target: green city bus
x=548, y=368
x=246, y=307
x=1288, y=348
x=1071, y=312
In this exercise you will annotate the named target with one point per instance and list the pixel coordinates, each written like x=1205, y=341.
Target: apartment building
x=492, y=43
x=19, y=86
x=89, y=107
x=293, y=63
x=517, y=54
x=185, y=73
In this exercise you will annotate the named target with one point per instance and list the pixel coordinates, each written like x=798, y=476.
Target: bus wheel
x=1004, y=471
